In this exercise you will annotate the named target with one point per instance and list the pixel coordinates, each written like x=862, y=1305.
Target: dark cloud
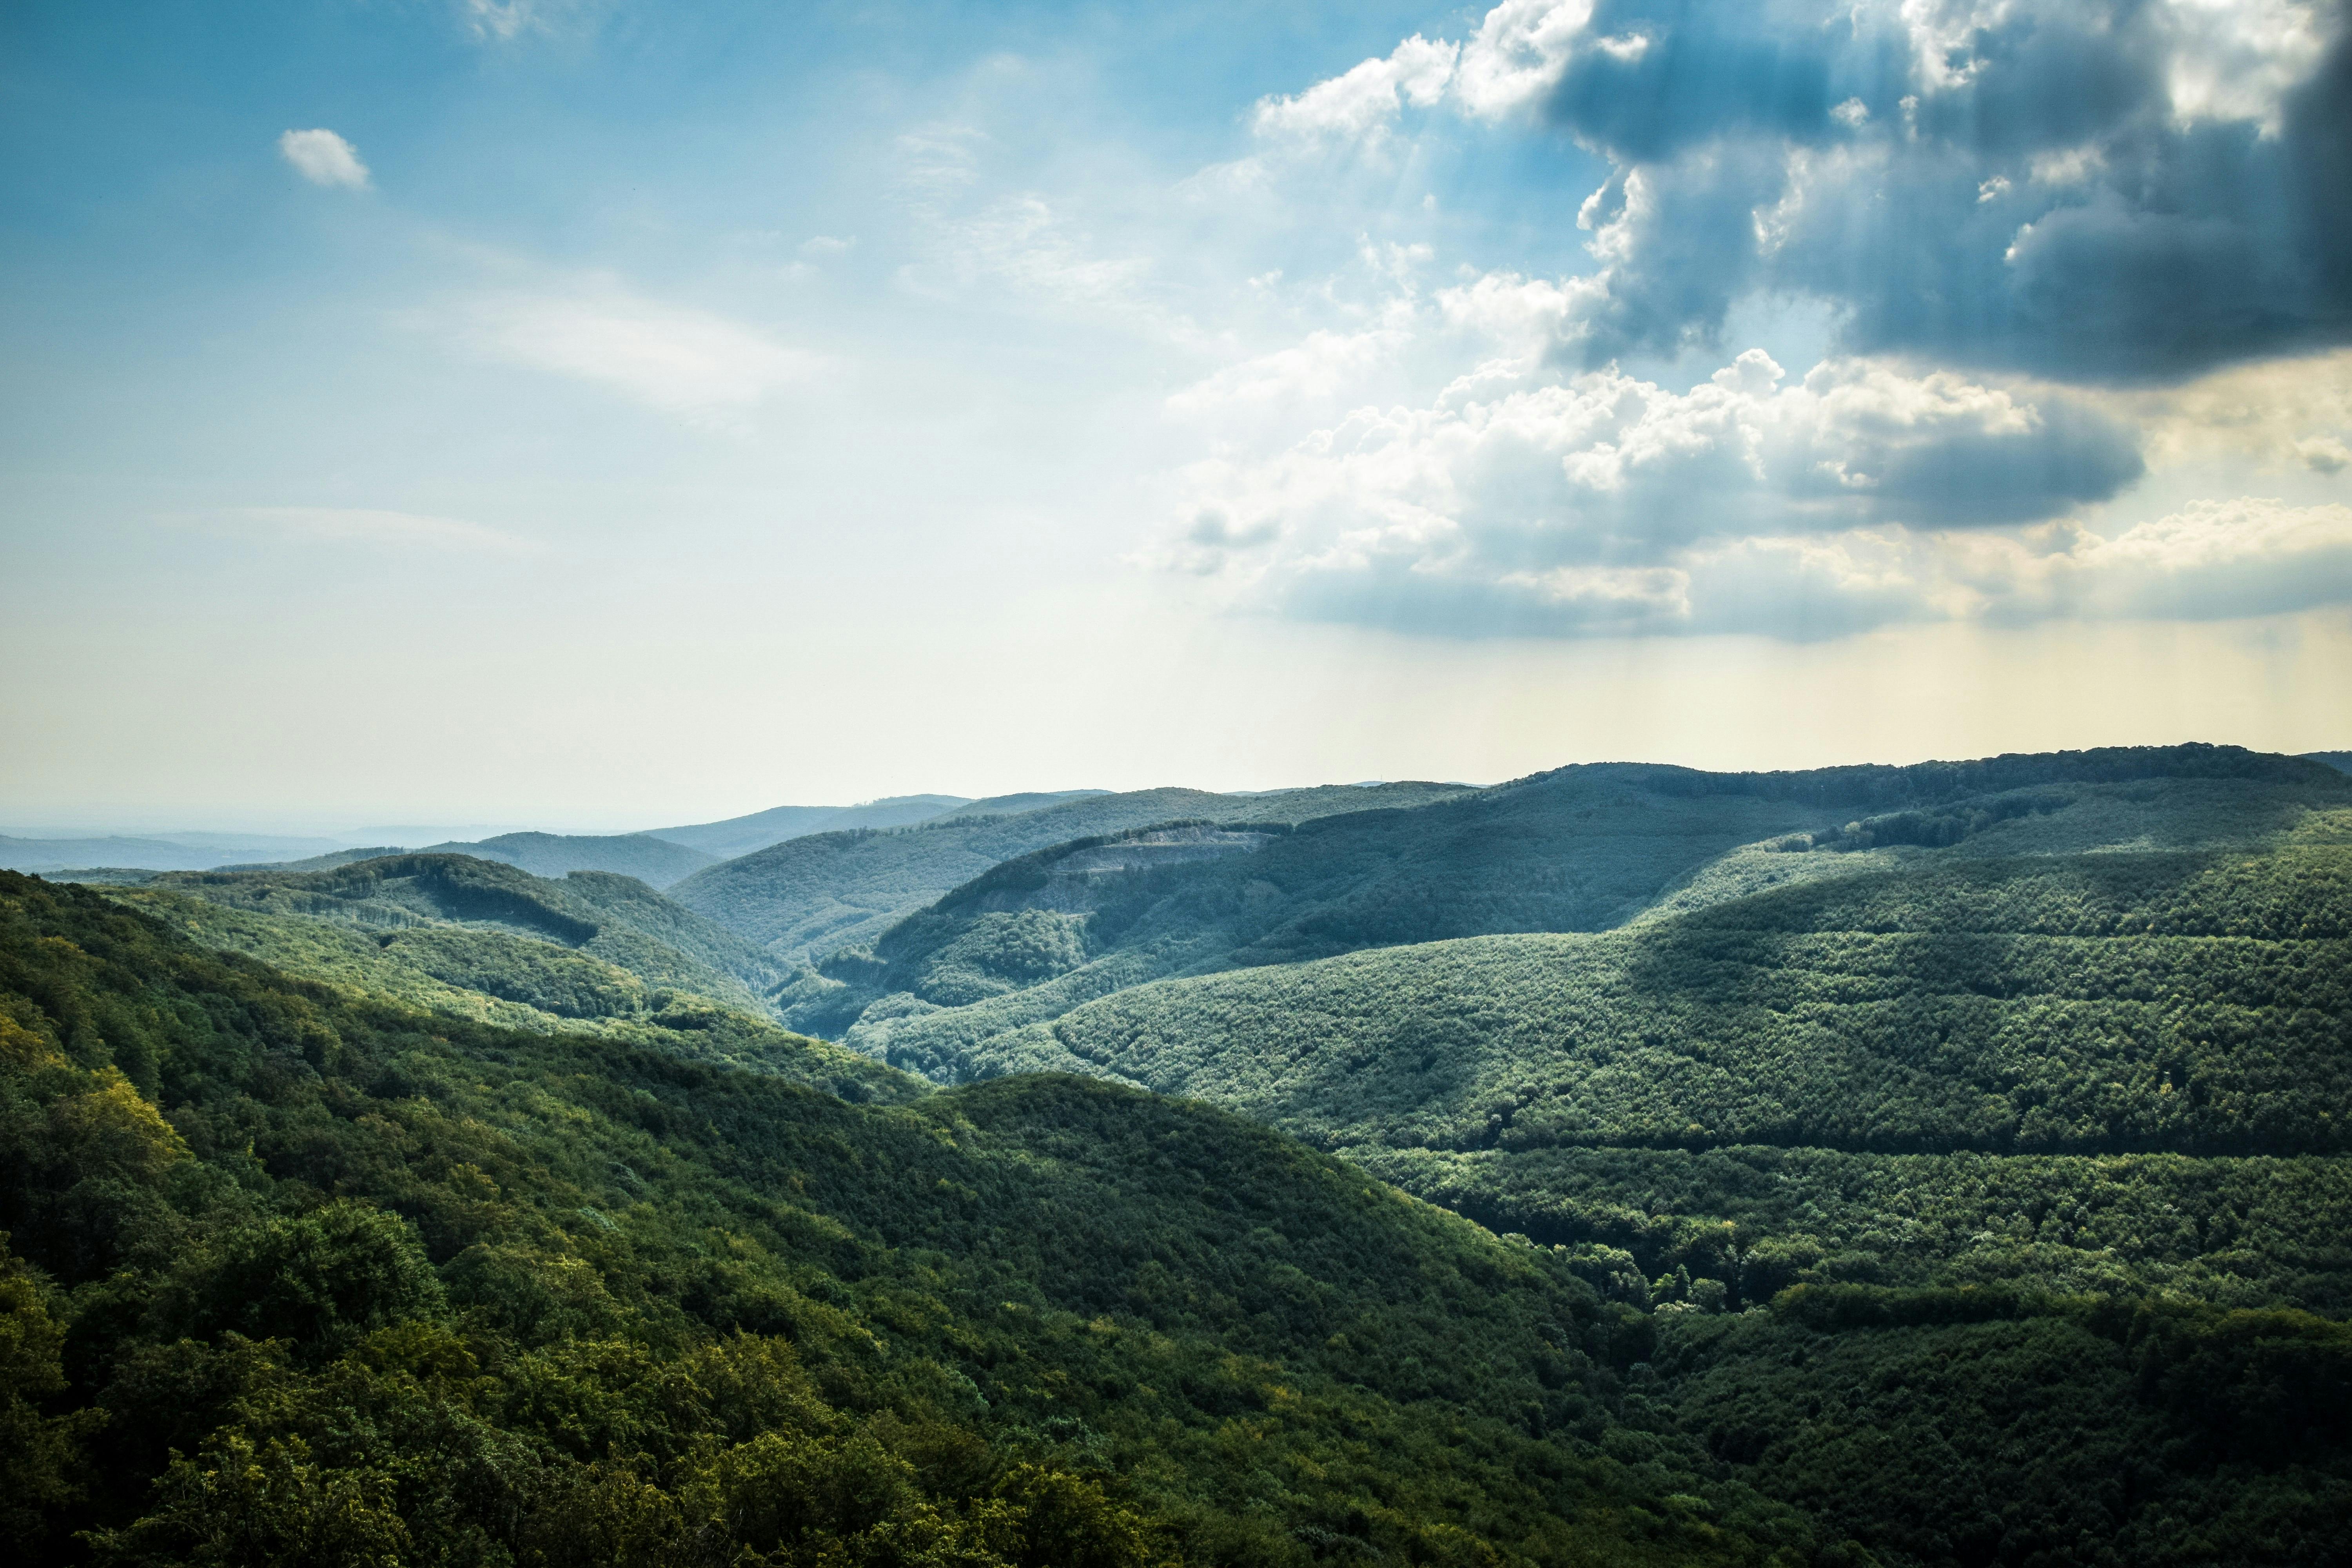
x=2029, y=194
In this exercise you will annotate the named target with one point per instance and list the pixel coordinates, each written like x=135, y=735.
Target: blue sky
x=604, y=413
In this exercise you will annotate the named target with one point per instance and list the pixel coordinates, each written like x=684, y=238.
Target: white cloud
x=1607, y=465
x=1028, y=248
x=2324, y=454
x=1324, y=366
x=2213, y=560
x=2052, y=185
x=1608, y=502
x=504, y=21
x=682, y=361
x=2236, y=59
x=1364, y=101
x=2280, y=414
x=361, y=525
x=323, y=158
x=1518, y=54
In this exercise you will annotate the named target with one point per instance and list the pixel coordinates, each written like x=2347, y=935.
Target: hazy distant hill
x=326, y=862
x=153, y=852
x=2341, y=760
x=653, y=861
x=830, y=891
x=742, y=835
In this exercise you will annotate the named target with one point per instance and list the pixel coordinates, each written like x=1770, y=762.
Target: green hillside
x=477, y=939
x=1583, y=849
x=656, y=862
x=297, y=1278
x=826, y=892
x=2117, y=1071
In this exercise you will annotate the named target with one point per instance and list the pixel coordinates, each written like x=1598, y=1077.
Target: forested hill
x=1580, y=848
x=656, y=862
x=472, y=939
x=825, y=891
x=296, y=1278
x=292, y=1279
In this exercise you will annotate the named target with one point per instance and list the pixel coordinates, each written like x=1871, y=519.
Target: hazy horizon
x=587, y=414
x=327, y=827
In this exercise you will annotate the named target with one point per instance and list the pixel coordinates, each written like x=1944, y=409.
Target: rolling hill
x=1579, y=850
x=350, y=1283
x=574, y=1302
x=464, y=938
x=656, y=862
x=826, y=892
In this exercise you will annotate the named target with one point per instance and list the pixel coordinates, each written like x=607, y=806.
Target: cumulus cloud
x=1862, y=493
x=323, y=158
x=1501, y=475
x=2213, y=560
x=1364, y=101
x=682, y=361
x=2096, y=190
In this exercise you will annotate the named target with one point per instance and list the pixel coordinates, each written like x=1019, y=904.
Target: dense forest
x=299, y=1278
x=295, y=1276
x=1580, y=849
x=1937, y=1166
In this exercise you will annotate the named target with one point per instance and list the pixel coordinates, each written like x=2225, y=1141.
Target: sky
x=595, y=414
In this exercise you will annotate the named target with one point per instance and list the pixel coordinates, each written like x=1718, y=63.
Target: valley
x=1746, y=1167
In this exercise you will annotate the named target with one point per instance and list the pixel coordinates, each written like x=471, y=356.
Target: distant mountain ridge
x=653, y=861
x=823, y=892
x=739, y=836
x=153, y=852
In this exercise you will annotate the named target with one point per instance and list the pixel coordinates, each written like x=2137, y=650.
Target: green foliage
x=2248, y=1231
x=489, y=974
x=1986, y=1427
x=39, y=1453
x=363, y=1284
x=1898, y=1181
x=614, y=918
x=2103, y=1003
x=1582, y=849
